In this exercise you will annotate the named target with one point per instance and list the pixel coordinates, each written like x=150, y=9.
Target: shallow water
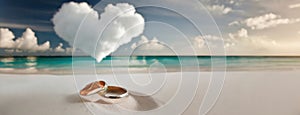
x=60, y=65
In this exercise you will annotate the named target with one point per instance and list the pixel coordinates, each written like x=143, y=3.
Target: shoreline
x=34, y=71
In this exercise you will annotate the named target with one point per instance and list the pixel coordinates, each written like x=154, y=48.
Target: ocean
x=142, y=64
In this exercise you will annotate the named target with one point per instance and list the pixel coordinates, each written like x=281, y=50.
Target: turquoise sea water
x=143, y=63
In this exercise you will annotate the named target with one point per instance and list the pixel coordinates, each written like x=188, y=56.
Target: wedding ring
x=114, y=94
x=110, y=94
x=93, y=88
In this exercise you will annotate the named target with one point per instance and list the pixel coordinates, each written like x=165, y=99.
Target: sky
x=247, y=27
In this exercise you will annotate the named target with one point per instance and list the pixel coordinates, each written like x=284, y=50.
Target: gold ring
x=93, y=88
x=114, y=94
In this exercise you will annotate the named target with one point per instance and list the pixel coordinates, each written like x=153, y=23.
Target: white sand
x=244, y=93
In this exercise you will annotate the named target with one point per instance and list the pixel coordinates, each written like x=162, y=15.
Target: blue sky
x=248, y=27
x=35, y=14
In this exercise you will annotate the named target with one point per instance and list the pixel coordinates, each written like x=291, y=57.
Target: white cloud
x=237, y=45
x=219, y=9
x=6, y=38
x=69, y=50
x=68, y=18
x=28, y=42
x=43, y=47
x=59, y=48
x=267, y=21
x=242, y=43
x=143, y=40
x=294, y=6
x=242, y=33
x=201, y=42
x=121, y=30
x=145, y=44
x=233, y=23
x=253, y=45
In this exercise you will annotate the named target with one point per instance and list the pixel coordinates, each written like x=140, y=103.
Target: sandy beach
x=150, y=57
x=244, y=93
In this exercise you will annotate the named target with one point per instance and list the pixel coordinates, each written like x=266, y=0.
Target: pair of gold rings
x=109, y=93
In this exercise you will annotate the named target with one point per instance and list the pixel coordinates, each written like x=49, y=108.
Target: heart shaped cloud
x=81, y=26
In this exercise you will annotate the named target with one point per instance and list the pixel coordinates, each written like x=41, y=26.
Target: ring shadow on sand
x=133, y=102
